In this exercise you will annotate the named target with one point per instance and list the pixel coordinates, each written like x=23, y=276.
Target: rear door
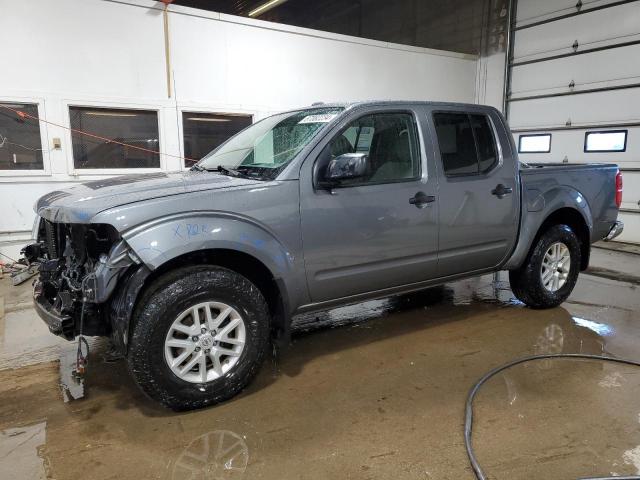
x=478, y=195
x=379, y=231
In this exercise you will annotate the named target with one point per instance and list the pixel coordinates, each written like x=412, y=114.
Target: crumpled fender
x=161, y=240
x=536, y=208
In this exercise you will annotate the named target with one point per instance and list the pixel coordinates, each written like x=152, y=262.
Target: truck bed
x=593, y=183
x=528, y=168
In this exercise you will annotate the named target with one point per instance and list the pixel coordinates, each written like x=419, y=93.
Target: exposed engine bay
x=79, y=267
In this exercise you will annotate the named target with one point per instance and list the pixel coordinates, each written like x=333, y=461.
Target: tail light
x=618, y=189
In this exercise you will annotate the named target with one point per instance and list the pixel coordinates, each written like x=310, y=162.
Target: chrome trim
x=616, y=230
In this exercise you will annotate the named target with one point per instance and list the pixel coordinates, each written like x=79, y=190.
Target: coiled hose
x=468, y=421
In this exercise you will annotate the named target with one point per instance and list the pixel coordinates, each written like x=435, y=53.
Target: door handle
x=421, y=199
x=501, y=190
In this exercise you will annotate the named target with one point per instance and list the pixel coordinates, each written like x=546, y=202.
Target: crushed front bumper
x=59, y=324
x=616, y=230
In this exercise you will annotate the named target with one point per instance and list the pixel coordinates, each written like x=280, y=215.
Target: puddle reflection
x=216, y=455
x=601, y=329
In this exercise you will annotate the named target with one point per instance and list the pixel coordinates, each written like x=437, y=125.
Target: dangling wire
x=82, y=358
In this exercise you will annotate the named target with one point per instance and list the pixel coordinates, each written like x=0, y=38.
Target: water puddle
x=19, y=452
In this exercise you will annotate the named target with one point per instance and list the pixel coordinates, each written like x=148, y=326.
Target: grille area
x=52, y=240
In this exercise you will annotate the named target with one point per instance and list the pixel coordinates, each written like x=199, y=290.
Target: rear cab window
x=467, y=143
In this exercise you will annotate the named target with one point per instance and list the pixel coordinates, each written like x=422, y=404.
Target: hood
x=80, y=203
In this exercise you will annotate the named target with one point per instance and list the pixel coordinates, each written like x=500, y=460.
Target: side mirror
x=346, y=167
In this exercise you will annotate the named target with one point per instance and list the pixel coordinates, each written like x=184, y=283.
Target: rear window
x=467, y=143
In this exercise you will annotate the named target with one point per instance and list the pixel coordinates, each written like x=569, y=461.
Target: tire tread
x=157, y=299
x=525, y=282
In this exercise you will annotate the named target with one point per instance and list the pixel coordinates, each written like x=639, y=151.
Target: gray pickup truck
x=193, y=274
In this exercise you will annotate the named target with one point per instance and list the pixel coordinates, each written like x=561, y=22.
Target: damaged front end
x=80, y=265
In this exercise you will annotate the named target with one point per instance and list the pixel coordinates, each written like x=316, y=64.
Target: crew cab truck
x=193, y=274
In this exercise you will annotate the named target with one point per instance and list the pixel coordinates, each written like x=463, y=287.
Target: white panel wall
x=604, y=27
x=105, y=53
x=591, y=108
x=551, y=76
x=536, y=11
x=601, y=110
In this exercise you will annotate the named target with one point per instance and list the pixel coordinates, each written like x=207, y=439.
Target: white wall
x=490, y=80
x=106, y=53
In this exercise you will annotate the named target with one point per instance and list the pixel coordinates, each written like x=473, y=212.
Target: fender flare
x=163, y=239
x=537, y=209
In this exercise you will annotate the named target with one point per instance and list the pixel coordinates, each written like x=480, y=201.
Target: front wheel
x=199, y=336
x=551, y=270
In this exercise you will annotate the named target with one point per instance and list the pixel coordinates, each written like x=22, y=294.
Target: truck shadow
x=484, y=307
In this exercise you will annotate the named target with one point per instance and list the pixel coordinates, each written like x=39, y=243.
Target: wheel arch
x=142, y=278
x=274, y=291
x=577, y=218
x=574, y=220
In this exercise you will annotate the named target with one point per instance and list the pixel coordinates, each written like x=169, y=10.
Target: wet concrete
x=370, y=391
x=24, y=338
x=616, y=264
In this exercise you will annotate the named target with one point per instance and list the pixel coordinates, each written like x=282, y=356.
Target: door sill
x=387, y=292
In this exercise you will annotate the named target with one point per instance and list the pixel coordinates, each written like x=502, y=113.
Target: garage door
x=574, y=88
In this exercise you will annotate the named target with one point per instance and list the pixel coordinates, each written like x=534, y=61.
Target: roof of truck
x=366, y=103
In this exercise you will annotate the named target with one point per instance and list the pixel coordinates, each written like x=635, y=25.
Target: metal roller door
x=574, y=68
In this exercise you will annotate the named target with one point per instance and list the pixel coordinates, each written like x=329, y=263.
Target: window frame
x=468, y=113
x=39, y=102
x=369, y=113
x=589, y=132
x=534, y=135
x=182, y=109
x=79, y=172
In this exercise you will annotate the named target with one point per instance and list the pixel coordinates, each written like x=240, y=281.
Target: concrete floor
x=370, y=391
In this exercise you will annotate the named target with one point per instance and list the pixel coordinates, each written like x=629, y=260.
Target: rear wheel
x=550, y=272
x=199, y=336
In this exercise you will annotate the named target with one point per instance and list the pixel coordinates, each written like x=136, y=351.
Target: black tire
x=526, y=282
x=163, y=302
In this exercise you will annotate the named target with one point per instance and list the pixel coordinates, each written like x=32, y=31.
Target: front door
x=479, y=202
x=377, y=231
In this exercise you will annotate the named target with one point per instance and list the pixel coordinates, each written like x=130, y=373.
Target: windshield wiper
x=256, y=172
x=224, y=170
x=231, y=172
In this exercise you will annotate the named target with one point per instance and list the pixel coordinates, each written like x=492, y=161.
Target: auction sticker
x=319, y=118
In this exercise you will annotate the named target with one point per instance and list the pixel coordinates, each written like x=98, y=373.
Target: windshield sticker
x=319, y=118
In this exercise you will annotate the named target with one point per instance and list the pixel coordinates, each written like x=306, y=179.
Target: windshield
x=265, y=148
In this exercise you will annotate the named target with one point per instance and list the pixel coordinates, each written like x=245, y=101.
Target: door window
x=467, y=144
x=391, y=143
x=485, y=142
